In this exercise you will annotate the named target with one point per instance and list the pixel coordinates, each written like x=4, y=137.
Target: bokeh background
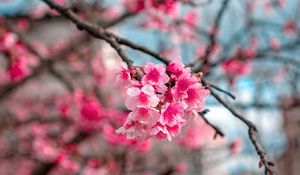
x=268, y=94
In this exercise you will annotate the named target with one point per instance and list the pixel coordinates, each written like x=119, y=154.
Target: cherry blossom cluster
x=19, y=59
x=161, y=100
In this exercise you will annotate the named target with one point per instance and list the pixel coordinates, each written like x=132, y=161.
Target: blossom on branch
x=162, y=101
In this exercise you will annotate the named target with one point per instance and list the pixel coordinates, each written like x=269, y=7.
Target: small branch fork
x=218, y=131
x=115, y=41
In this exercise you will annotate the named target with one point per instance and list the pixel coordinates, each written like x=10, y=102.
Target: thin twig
x=217, y=129
x=222, y=90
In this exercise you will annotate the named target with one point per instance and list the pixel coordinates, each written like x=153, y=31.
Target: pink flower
x=174, y=130
x=91, y=110
x=169, y=7
x=146, y=116
x=182, y=85
x=142, y=102
x=176, y=67
x=134, y=129
x=171, y=114
x=196, y=96
x=191, y=18
x=139, y=122
x=156, y=76
x=18, y=69
x=124, y=78
x=144, y=97
x=160, y=132
x=60, y=2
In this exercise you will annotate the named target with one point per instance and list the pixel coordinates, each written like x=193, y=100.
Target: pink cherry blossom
x=182, y=85
x=196, y=96
x=176, y=68
x=18, y=69
x=91, y=110
x=160, y=132
x=191, y=18
x=171, y=114
x=156, y=76
x=170, y=7
x=144, y=97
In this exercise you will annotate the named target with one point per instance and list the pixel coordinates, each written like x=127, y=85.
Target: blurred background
x=54, y=77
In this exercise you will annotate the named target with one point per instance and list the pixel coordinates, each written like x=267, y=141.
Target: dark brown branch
x=222, y=90
x=269, y=165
